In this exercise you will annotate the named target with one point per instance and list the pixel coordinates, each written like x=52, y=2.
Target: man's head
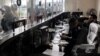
x=93, y=18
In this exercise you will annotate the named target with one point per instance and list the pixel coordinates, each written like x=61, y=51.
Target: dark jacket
x=7, y=21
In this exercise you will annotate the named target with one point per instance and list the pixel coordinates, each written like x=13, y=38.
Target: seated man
x=93, y=29
x=73, y=32
x=91, y=37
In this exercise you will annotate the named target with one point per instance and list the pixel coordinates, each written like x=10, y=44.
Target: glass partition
x=40, y=11
x=57, y=6
x=49, y=7
x=30, y=10
x=61, y=5
x=33, y=12
x=20, y=11
x=54, y=6
x=10, y=14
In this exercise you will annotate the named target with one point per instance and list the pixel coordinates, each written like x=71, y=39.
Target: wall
x=69, y=5
x=83, y=5
x=1, y=3
x=98, y=9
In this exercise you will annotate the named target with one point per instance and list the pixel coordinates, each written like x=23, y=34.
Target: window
x=40, y=11
x=49, y=7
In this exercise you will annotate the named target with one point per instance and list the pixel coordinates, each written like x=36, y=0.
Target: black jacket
x=7, y=22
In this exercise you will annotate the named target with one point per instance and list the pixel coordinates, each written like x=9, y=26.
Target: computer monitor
x=77, y=14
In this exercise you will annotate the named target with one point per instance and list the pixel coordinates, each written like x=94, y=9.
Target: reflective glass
x=40, y=11
x=49, y=7
x=34, y=12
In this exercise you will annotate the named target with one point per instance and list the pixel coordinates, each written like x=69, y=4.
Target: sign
x=19, y=2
